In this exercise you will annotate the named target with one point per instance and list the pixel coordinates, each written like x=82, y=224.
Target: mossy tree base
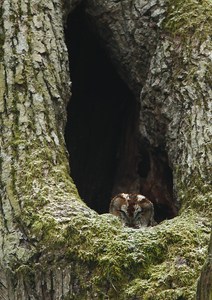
x=97, y=258
x=52, y=245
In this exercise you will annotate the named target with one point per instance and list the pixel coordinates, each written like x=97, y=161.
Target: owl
x=134, y=210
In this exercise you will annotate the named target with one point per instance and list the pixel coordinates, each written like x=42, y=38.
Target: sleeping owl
x=134, y=210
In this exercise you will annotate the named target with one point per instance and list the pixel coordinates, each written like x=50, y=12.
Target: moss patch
x=195, y=193
x=162, y=262
x=186, y=18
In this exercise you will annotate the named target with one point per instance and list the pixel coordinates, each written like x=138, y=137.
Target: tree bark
x=204, y=288
x=52, y=246
x=171, y=78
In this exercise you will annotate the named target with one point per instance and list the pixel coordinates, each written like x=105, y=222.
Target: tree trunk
x=204, y=288
x=52, y=245
x=171, y=78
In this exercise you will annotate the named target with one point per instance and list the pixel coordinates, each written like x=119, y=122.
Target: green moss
x=107, y=259
x=195, y=193
x=174, y=277
x=40, y=172
x=189, y=18
x=111, y=261
x=162, y=262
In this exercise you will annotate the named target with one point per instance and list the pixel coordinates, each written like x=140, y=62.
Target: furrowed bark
x=52, y=246
x=35, y=186
x=204, y=288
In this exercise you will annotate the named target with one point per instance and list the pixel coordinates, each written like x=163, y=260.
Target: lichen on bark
x=52, y=245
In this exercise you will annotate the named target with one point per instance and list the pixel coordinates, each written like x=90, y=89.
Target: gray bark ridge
x=52, y=245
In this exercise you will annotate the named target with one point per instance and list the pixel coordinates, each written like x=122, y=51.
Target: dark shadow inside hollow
x=107, y=155
x=156, y=180
x=97, y=113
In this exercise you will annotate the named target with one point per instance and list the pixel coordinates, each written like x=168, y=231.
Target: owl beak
x=130, y=222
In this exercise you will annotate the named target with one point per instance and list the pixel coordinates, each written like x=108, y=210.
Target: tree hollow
x=107, y=153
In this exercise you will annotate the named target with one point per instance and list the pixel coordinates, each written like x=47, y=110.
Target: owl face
x=134, y=210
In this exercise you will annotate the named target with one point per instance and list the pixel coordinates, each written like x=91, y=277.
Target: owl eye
x=122, y=212
x=138, y=212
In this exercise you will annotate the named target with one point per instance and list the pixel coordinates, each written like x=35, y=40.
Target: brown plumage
x=134, y=210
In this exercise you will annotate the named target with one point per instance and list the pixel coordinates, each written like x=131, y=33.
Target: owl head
x=134, y=210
